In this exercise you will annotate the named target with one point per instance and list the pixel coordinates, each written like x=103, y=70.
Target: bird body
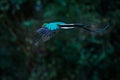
x=53, y=25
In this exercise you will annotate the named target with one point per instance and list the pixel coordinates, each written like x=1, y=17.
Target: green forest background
x=70, y=54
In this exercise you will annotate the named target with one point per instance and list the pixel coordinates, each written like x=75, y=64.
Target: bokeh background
x=71, y=54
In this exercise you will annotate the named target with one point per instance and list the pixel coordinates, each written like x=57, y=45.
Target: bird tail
x=84, y=26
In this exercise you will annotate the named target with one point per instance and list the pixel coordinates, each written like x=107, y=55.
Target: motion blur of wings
x=44, y=33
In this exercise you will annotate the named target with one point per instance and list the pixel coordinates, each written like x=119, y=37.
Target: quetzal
x=49, y=29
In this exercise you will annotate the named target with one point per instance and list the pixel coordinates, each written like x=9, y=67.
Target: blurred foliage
x=70, y=54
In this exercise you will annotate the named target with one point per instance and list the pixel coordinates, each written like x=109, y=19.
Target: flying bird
x=48, y=30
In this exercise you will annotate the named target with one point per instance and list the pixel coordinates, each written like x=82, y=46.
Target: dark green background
x=70, y=54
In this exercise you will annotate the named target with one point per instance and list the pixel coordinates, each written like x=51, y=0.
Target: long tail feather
x=69, y=26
